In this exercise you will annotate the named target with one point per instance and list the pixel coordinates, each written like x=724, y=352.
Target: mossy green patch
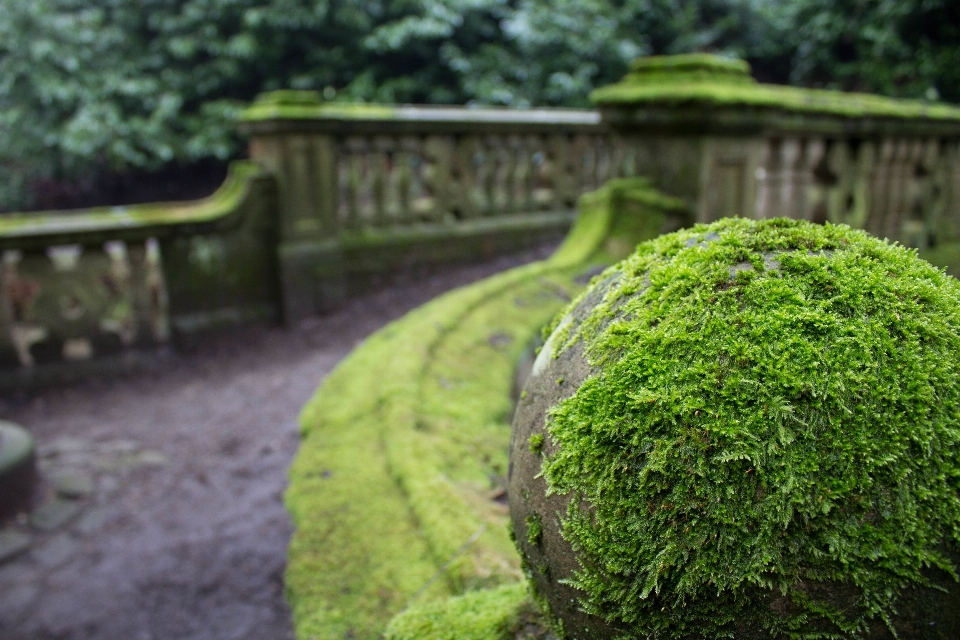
x=480, y=615
x=288, y=104
x=396, y=492
x=775, y=410
x=697, y=81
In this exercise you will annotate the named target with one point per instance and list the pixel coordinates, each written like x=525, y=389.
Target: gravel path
x=160, y=514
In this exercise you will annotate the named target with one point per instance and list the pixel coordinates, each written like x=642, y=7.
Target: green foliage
x=776, y=405
x=87, y=85
x=904, y=48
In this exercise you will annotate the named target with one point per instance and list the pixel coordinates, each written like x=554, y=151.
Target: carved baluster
x=890, y=226
x=879, y=187
x=403, y=170
x=561, y=170
x=811, y=200
x=530, y=145
x=763, y=207
x=585, y=163
x=469, y=169
x=353, y=148
x=862, y=188
x=510, y=165
x=379, y=166
x=949, y=182
x=344, y=196
x=839, y=189
x=440, y=194
x=492, y=146
x=629, y=162
x=790, y=153
x=545, y=167
x=606, y=166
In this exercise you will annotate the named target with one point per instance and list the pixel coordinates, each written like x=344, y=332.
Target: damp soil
x=160, y=513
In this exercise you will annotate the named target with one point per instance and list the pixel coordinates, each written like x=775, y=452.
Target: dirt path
x=170, y=522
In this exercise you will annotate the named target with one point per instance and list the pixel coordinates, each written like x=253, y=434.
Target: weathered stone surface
x=73, y=484
x=12, y=544
x=54, y=514
x=17, y=468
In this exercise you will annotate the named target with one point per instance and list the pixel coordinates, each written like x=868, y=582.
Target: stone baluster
x=788, y=192
x=763, y=207
x=406, y=158
x=879, y=187
x=439, y=173
x=810, y=197
x=839, y=166
x=379, y=163
x=512, y=152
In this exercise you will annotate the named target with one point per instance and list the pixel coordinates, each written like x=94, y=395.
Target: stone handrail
x=367, y=189
x=106, y=283
x=703, y=129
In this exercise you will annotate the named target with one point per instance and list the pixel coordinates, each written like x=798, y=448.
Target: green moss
x=534, y=529
x=479, y=615
x=307, y=105
x=724, y=83
x=536, y=443
x=405, y=447
x=691, y=62
x=222, y=203
x=776, y=405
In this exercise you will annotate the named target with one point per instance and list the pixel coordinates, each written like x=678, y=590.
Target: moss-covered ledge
x=397, y=490
x=714, y=93
x=299, y=111
x=216, y=212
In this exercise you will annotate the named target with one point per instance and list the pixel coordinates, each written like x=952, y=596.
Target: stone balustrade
x=340, y=196
x=704, y=130
x=368, y=190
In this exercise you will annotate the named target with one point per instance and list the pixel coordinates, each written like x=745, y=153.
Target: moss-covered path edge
x=397, y=493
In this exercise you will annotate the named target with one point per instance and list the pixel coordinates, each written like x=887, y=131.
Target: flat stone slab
x=74, y=485
x=54, y=513
x=12, y=544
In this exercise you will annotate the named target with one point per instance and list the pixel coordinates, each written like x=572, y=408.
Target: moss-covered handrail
x=396, y=492
x=292, y=110
x=138, y=221
x=721, y=93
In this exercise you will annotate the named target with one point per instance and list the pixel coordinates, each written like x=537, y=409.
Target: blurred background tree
x=97, y=88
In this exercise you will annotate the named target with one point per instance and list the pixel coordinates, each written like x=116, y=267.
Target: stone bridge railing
x=367, y=190
x=338, y=196
x=704, y=130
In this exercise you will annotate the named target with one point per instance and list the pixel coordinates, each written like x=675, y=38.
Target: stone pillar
x=304, y=164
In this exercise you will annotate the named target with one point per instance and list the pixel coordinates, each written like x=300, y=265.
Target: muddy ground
x=161, y=513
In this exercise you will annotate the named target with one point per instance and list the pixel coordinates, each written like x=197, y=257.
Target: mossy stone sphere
x=749, y=429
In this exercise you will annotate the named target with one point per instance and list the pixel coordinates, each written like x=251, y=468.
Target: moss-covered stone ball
x=747, y=430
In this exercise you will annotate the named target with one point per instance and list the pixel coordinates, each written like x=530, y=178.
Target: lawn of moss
x=396, y=493
x=777, y=403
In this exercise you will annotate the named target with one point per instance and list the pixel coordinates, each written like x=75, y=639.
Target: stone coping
x=124, y=222
x=704, y=85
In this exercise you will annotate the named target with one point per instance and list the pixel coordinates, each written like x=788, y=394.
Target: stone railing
x=702, y=129
x=102, y=286
x=339, y=196
x=367, y=190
